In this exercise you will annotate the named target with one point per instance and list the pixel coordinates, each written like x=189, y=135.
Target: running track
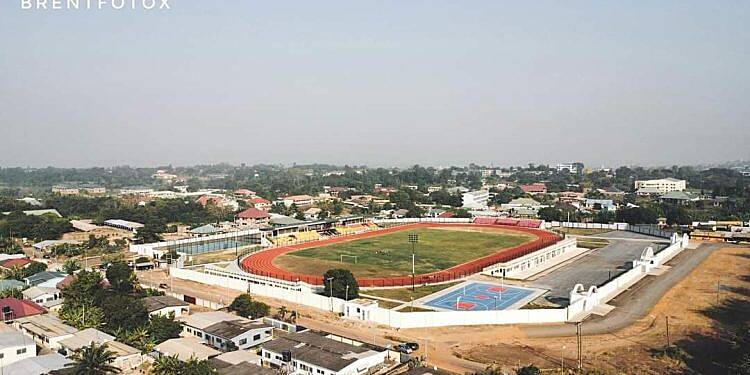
x=261, y=263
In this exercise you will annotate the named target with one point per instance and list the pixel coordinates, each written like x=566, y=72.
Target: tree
x=70, y=266
x=244, y=305
x=163, y=328
x=85, y=290
x=637, y=215
x=121, y=277
x=336, y=282
x=281, y=312
x=138, y=338
x=94, y=359
x=167, y=365
x=528, y=370
x=550, y=214
x=148, y=234
x=82, y=317
x=123, y=312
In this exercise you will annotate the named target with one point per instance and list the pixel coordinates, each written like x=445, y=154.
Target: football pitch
x=390, y=254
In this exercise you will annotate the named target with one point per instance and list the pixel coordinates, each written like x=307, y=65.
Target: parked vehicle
x=403, y=348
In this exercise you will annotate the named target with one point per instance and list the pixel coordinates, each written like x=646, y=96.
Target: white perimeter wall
x=582, y=301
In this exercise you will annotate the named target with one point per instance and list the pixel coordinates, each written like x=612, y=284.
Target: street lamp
x=413, y=239
x=347, y=292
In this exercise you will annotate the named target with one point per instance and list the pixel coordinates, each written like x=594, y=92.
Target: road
x=637, y=301
x=597, y=266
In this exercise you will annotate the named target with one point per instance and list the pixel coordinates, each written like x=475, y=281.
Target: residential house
x=44, y=276
x=14, y=345
x=165, y=305
x=18, y=262
x=535, y=188
x=8, y=284
x=260, y=203
x=316, y=353
x=186, y=348
x=47, y=330
x=40, y=294
x=475, y=200
x=301, y=201
x=126, y=356
x=14, y=308
x=252, y=216
x=225, y=331
x=39, y=365
x=679, y=197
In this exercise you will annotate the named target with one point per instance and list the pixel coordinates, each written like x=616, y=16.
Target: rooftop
x=43, y=276
x=18, y=262
x=42, y=364
x=317, y=349
x=206, y=319
x=185, y=348
x=253, y=213
x=20, y=307
x=45, y=325
x=85, y=338
x=155, y=303
x=36, y=291
x=232, y=328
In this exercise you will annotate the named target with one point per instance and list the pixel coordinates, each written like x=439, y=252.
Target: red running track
x=261, y=263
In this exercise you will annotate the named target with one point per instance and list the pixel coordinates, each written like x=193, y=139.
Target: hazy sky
x=376, y=82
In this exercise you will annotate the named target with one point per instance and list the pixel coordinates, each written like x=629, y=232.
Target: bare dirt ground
x=632, y=349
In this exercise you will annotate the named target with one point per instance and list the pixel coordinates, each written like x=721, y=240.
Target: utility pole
x=667, y=321
x=579, y=333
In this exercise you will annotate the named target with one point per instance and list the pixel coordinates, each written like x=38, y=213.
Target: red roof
x=20, y=308
x=258, y=200
x=537, y=187
x=244, y=192
x=253, y=213
x=65, y=282
x=20, y=262
x=203, y=200
x=446, y=215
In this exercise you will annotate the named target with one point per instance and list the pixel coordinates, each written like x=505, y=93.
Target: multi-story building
x=660, y=186
x=477, y=199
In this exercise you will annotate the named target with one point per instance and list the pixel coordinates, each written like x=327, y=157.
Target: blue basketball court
x=474, y=296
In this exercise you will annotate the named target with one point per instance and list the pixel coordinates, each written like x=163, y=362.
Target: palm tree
x=93, y=360
x=293, y=317
x=167, y=365
x=281, y=313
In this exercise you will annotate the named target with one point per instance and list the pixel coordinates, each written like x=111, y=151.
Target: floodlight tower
x=413, y=239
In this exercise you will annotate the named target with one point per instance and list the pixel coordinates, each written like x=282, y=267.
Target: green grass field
x=390, y=254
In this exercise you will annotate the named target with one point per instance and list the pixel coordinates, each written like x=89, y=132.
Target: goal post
x=344, y=256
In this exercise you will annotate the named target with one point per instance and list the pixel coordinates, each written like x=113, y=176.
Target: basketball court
x=481, y=296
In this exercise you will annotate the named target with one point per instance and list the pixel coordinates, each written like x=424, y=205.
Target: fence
x=262, y=263
x=581, y=301
x=570, y=224
x=649, y=230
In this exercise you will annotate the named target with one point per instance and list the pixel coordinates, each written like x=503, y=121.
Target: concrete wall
x=582, y=300
x=566, y=224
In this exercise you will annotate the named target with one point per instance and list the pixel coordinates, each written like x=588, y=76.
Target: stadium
x=382, y=257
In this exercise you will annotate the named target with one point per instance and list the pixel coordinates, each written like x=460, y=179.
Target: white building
x=572, y=168
x=126, y=357
x=14, y=345
x=662, y=186
x=40, y=294
x=477, y=199
x=218, y=329
x=316, y=353
x=45, y=329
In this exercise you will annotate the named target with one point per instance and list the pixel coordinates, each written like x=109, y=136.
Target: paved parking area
x=597, y=266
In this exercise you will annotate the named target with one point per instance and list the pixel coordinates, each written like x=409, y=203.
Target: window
x=199, y=334
x=268, y=355
x=21, y=351
x=256, y=337
x=243, y=341
x=2, y=355
x=319, y=371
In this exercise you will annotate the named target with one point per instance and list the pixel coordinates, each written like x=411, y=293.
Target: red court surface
x=261, y=263
x=465, y=306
